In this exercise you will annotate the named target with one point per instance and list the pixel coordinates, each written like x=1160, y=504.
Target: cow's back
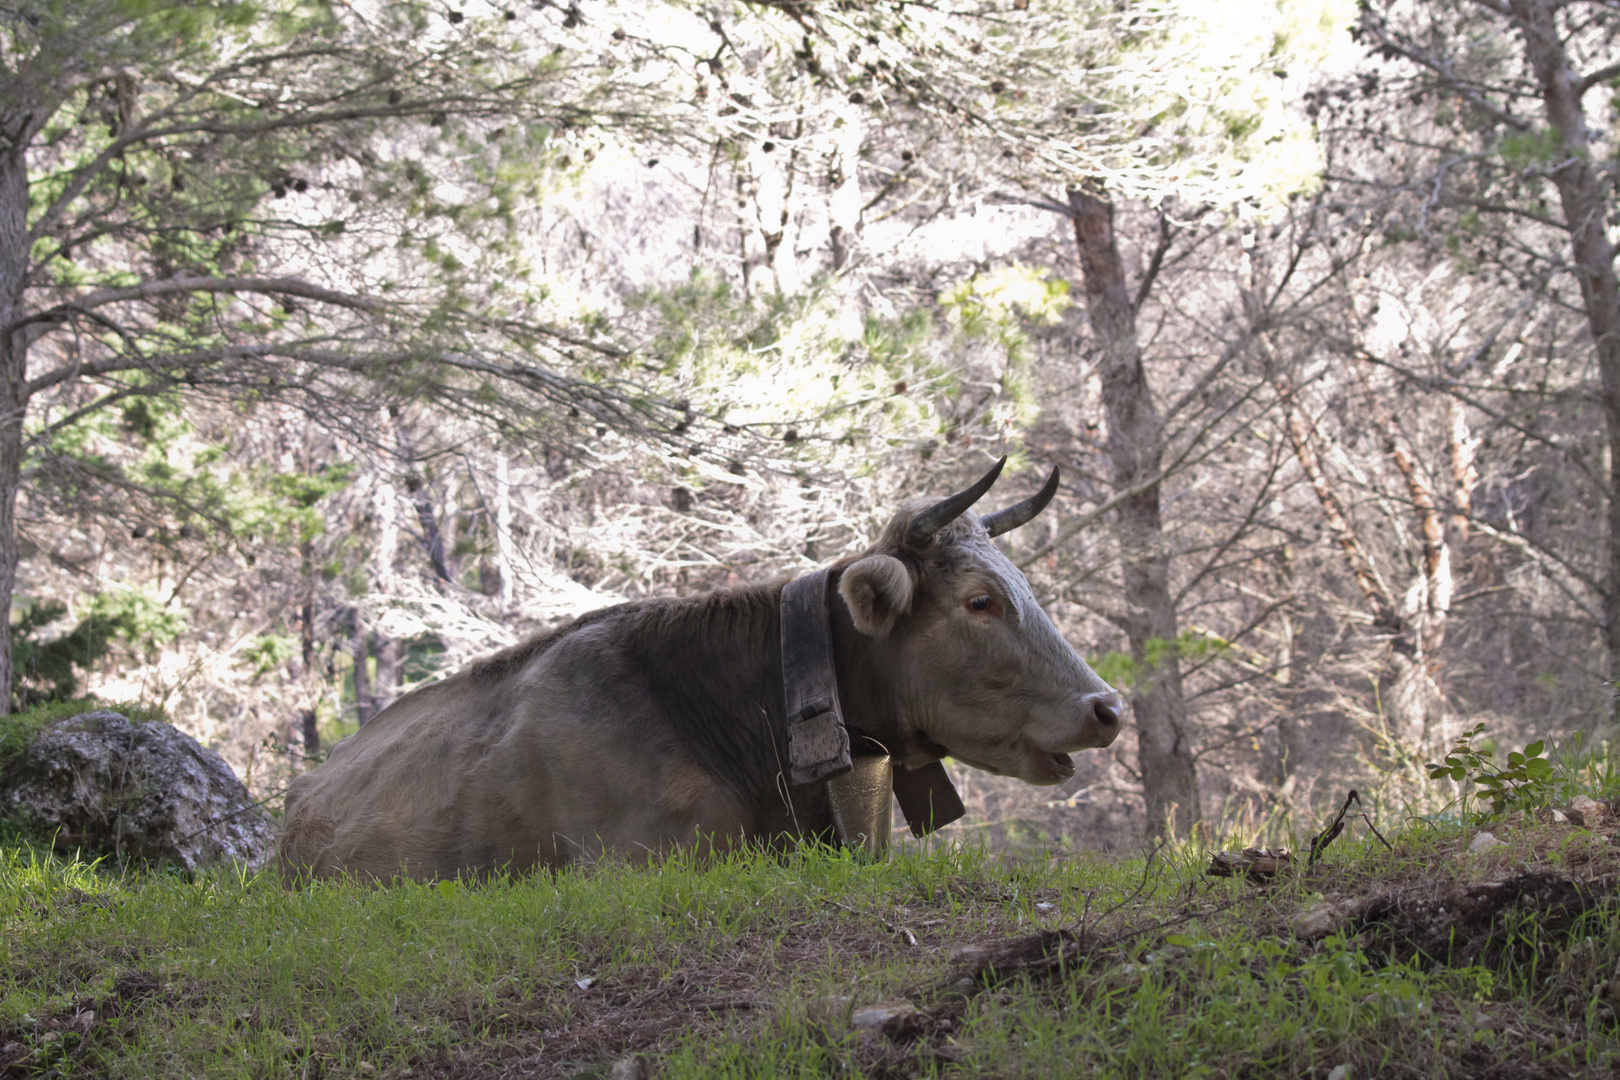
x=386, y=800
x=544, y=755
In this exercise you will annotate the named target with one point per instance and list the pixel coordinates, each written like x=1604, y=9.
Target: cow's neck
x=867, y=691
x=715, y=664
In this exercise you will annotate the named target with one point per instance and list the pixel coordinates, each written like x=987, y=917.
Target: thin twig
x=233, y=813
x=1321, y=840
x=1141, y=886
x=1376, y=833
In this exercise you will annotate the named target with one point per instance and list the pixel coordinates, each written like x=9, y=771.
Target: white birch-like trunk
x=771, y=245
x=503, y=529
x=385, y=501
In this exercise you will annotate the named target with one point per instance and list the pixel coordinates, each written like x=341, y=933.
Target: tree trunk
x=386, y=504
x=1582, y=194
x=844, y=201
x=13, y=368
x=503, y=530
x=386, y=687
x=312, y=733
x=1410, y=699
x=422, y=501
x=362, y=676
x=1464, y=476
x=307, y=720
x=1416, y=702
x=1136, y=450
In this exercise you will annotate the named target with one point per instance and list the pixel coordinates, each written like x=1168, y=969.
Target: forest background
x=345, y=342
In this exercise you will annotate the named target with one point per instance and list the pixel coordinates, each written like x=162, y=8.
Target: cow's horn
x=1009, y=519
x=947, y=510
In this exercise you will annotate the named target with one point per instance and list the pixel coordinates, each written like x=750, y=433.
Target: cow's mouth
x=1048, y=766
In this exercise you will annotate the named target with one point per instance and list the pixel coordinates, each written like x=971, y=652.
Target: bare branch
x=1586, y=82
x=181, y=286
x=1155, y=263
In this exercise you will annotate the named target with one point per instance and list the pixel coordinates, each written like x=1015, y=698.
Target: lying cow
x=660, y=723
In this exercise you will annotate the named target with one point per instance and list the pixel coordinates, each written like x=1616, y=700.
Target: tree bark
x=503, y=530
x=312, y=733
x=388, y=664
x=307, y=719
x=1582, y=194
x=1416, y=702
x=1411, y=701
x=358, y=651
x=1464, y=476
x=422, y=502
x=1136, y=450
x=14, y=251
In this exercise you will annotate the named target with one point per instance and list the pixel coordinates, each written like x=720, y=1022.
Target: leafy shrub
x=1528, y=781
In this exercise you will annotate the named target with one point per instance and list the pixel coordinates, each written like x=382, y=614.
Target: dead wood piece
x=1330, y=916
x=1321, y=840
x=1042, y=950
x=1256, y=863
x=1047, y=953
x=1462, y=924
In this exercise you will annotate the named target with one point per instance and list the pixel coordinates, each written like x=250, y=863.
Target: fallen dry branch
x=1049, y=952
x=1463, y=923
x=1473, y=923
x=1258, y=864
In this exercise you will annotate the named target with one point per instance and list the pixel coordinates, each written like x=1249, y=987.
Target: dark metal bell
x=862, y=802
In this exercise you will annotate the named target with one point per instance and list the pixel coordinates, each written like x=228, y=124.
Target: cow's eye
x=980, y=603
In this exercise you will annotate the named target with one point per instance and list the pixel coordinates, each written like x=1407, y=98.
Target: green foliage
x=994, y=301
x=1126, y=672
x=289, y=508
x=137, y=616
x=44, y=670
x=766, y=364
x=268, y=652
x=50, y=662
x=1527, y=782
x=150, y=450
x=1117, y=669
x=1524, y=148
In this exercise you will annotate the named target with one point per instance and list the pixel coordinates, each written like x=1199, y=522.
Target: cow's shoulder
x=511, y=661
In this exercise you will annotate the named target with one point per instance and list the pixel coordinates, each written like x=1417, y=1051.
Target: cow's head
x=957, y=653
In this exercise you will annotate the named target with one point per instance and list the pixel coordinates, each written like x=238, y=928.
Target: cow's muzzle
x=1099, y=725
x=1101, y=719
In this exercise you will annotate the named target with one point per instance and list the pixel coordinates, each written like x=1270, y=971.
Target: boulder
x=142, y=791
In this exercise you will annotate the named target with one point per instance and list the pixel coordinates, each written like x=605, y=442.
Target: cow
x=659, y=724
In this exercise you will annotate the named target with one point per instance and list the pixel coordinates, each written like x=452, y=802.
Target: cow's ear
x=878, y=591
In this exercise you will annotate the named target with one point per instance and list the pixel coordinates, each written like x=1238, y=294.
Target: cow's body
x=659, y=724
x=634, y=729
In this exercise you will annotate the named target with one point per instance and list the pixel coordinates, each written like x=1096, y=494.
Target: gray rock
x=144, y=791
x=882, y=1014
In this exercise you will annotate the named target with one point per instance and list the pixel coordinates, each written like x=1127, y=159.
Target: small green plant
x=1528, y=782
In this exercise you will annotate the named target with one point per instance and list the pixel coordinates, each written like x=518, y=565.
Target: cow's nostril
x=1106, y=708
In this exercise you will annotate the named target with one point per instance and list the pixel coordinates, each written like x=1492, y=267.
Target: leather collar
x=818, y=736
x=818, y=740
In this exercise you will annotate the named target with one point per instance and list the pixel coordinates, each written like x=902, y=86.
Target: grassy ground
x=1424, y=961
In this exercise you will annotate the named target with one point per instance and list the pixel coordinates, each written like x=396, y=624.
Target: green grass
x=18, y=730
x=750, y=966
